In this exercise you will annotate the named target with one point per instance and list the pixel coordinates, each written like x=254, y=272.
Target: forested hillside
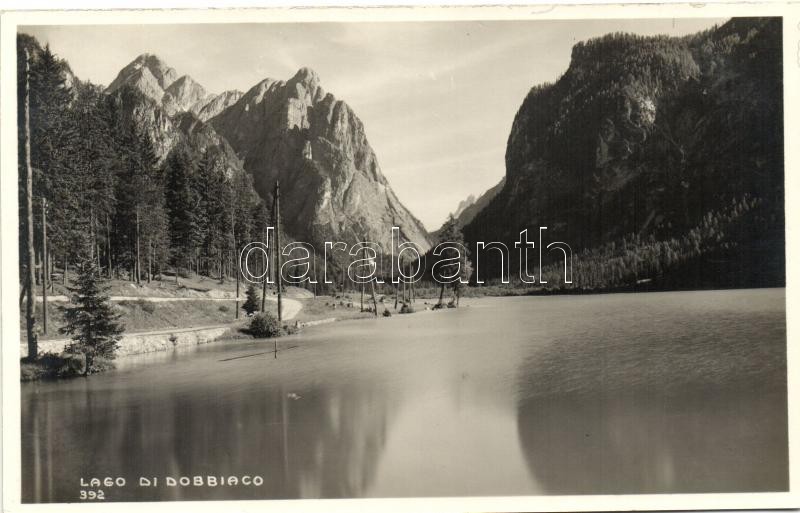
x=656, y=159
x=125, y=184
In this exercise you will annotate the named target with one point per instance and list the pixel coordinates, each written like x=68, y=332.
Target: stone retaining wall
x=146, y=343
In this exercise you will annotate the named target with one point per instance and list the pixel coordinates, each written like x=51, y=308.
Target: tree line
x=109, y=197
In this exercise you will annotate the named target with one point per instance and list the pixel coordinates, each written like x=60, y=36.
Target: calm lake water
x=608, y=394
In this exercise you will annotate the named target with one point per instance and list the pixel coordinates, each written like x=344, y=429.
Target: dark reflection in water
x=695, y=403
x=305, y=441
x=655, y=393
x=624, y=444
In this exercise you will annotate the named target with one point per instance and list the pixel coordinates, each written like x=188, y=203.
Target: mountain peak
x=294, y=132
x=306, y=76
x=143, y=63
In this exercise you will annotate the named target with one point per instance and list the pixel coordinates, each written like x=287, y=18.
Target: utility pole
x=108, y=243
x=278, y=248
x=33, y=349
x=237, y=269
x=374, y=298
x=45, y=269
x=267, y=269
x=138, y=261
x=45, y=273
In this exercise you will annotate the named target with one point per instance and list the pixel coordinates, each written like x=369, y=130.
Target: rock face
x=182, y=129
x=218, y=103
x=148, y=74
x=332, y=187
x=648, y=136
x=185, y=95
x=156, y=80
x=467, y=209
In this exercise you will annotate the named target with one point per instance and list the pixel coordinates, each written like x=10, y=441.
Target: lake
x=622, y=393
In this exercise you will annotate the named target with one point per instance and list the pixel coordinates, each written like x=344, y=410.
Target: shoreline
x=167, y=339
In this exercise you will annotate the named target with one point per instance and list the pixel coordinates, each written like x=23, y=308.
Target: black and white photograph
x=318, y=258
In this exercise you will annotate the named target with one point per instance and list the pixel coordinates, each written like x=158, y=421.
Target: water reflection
x=680, y=392
x=627, y=444
x=682, y=403
x=306, y=442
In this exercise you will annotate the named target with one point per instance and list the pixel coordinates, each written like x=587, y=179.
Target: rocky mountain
x=218, y=103
x=332, y=187
x=657, y=150
x=169, y=120
x=464, y=204
x=156, y=80
x=148, y=74
x=467, y=209
x=185, y=95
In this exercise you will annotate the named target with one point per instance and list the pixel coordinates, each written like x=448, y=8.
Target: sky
x=437, y=99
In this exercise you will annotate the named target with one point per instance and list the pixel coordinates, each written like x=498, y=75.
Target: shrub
x=265, y=325
x=387, y=313
x=406, y=309
x=223, y=308
x=146, y=306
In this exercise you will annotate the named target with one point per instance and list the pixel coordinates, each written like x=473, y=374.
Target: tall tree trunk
x=149, y=260
x=237, y=290
x=404, y=290
x=108, y=242
x=441, y=295
x=278, y=248
x=138, y=255
x=362, y=297
x=263, y=270
x=92, y=243
x=374, y=298
x=33, y=349
x=396, y=293
x=45, y=277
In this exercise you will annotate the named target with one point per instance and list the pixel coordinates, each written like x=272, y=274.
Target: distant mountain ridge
x=470, y=207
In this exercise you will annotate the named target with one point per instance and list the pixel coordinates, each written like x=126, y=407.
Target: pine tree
x=451, y=232
x=253, y=301
x=181, y=206
x=92, y=322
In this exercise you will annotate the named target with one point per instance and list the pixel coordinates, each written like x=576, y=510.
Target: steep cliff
x=648, y=138
x=332, y=186
x=181, y=130
x=218, y=103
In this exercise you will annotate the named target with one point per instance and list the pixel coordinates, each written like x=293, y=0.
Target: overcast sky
x=437, y=98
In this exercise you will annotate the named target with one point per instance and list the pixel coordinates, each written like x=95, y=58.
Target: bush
x=265, y=325
x=387, y=313
x=406, y=309
x=146, y=306
x=64, y=365
x=223, y=308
